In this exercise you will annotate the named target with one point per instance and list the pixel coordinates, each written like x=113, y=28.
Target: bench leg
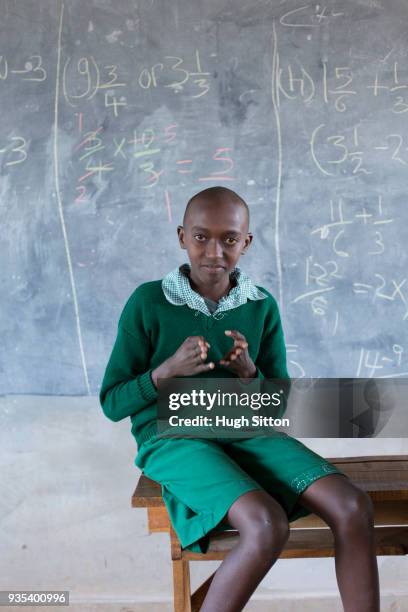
x=181, y=586
x=181, y=576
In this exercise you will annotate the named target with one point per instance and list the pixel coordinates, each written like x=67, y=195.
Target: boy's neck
x=215, y=291
x=212, y=293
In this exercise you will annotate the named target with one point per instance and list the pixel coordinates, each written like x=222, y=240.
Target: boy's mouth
x=213, y=268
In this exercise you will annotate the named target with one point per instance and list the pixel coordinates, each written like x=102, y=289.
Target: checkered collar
x=177, y=289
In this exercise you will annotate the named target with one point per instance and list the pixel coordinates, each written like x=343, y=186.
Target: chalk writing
x=146, y=148
x=296, y=18
x=171, y=66
x=400, y=104
x=338, y=84
x=337, y=220
x=91, y=144
x=384, y=289
x=299, y=370
x=346, y=151
x=374, y=363
x=83, y=79
x=33, y=69
x=14, y=151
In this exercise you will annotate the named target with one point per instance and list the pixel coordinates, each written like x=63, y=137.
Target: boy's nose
x=214, y=249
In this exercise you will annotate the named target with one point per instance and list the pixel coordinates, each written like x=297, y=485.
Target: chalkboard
x=115, y=112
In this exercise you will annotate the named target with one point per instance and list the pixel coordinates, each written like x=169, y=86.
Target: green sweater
x=151, y=329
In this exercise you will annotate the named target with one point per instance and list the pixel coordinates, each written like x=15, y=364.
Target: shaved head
x=210, y=196
x=215, y=235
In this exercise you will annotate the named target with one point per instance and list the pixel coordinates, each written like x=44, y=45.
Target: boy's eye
x=230, y=241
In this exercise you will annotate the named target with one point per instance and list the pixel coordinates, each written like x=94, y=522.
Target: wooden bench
x=384, y=478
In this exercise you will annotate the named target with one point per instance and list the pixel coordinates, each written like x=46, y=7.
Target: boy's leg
x=302, y=479
x=349, y=512
x=202, y=486
x=282, y=466
x=263, y=530
x=199, y=484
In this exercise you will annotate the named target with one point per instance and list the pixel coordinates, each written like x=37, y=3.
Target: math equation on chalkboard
x=115, y=113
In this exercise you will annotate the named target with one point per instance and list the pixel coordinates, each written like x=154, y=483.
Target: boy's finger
x=232, y=354
x=199, y=353
x=204, y=346
x=235, y=334
x=205, y=366
x=241, y=344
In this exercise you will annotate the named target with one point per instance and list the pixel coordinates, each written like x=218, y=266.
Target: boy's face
x=215, y=234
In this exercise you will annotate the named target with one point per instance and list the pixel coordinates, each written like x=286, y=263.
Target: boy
x=183, y=326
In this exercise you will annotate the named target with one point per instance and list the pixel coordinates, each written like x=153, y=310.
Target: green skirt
x=201, y=478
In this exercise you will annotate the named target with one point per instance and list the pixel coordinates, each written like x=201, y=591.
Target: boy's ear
x=247, y=242
x=180, y=233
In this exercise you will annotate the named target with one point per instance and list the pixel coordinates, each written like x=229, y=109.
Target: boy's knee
x=267, y=531
x=356, y=512
x=261, y=521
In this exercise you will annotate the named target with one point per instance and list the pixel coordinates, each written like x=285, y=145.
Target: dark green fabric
x=202, y=478
x=151, y=329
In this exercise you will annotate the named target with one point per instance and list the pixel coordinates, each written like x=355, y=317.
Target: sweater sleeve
x=127, y=387
x=271, y=360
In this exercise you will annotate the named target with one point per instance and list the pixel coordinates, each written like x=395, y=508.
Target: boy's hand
x=237, y=359
x=188, y=360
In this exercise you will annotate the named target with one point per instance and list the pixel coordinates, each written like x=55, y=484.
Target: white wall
x=67, y=476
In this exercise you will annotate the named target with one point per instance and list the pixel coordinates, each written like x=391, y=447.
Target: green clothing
x=151, y=329
x=201, y=478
